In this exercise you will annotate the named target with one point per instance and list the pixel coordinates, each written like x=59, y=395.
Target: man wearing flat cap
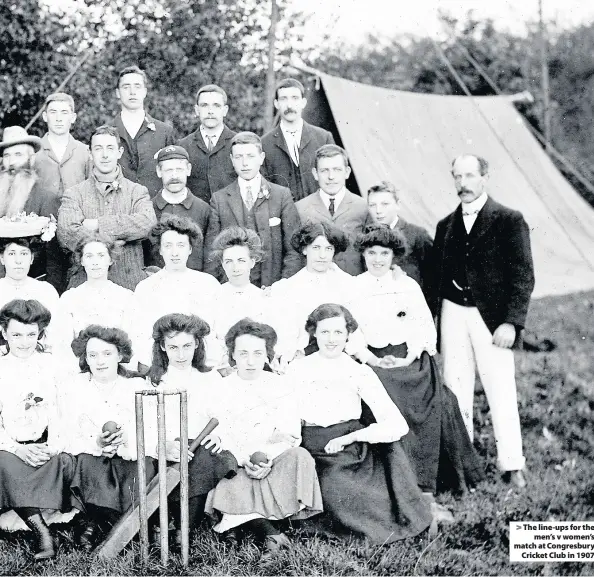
x=20, y=192
x=173, y=168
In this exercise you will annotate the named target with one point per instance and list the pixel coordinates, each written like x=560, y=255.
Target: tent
x=411, y=139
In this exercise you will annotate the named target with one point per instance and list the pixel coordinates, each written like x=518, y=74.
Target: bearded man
x=20, y=192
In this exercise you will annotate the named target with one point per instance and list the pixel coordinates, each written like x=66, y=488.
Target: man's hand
x=91, y=224
x=225, y=371
x=280, y=437
x=280, y=364
x=110, y=442
x=213, y=443
x=258, y=472
x=338, y=444
x=172, y=451
x=35, y=454
x=504, y=336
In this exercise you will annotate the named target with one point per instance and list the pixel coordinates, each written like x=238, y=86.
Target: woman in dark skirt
x=179, y=364
x=34, y=476
x=368, y=485
x=105, y=478
x=398, y=328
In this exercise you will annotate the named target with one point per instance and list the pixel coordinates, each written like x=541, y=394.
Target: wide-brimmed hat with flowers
x=14, y=135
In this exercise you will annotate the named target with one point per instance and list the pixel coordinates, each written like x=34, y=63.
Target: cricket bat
x=129, y=523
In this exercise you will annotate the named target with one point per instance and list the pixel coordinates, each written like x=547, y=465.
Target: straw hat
x=14, y=135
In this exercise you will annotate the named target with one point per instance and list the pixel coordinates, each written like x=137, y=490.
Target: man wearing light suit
x=484, y=277
x=333, y=203
x=252, y=202
x=290, y=147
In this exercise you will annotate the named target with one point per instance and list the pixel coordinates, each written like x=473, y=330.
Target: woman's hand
x=172, y=451
x=279, y=364
x=336, y=445
x=212, y=443
x=281, y=437
x=35, y=454
x=258, y=472
x=225, y=371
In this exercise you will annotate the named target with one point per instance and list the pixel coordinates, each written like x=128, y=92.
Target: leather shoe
x=273, y=544
x=88, y=537
x=45, y=543
x=441, y=514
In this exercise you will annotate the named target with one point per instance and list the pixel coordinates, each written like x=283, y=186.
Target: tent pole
x=545, y=78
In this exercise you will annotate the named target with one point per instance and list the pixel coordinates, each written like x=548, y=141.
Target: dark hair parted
x=33, y=243
x=330, y=311
x=246, y=138
x=237, y=236
x=384, y=186
x=330, y=151
x=109, y=130
x=288, y=83
x=384, y=236
x=111, y=335
x=87, y=237
x=483, y=165
x=250, y=327
x=211, y=88
x=308, y=233
x=181, y=225
x=28, y=312
x=170, y=325
x=132, y=70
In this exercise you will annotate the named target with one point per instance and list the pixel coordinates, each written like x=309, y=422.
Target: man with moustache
x=209, y=147
x=484, y=277
x=173, y=167
x=20, y=191
x=383, y=201
x=290, y=147
x=141, y=134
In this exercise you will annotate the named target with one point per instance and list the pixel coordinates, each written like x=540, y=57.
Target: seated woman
x=174, y=289
x=98, y=300
x=178, y=364
x=238, y=250
x=17, y=255
x=105, y=475
x=368, y=485
x=397, y=325
x=34, y=476
x=277, y=479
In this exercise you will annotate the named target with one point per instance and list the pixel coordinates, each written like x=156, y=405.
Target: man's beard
x=15, y=189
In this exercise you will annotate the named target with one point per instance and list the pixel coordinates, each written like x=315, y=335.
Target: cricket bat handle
x=210, y=427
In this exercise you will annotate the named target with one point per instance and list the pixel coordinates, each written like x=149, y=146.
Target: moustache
x=463, y=190
x=174, y=182
x=287, y=110
x=13, y=171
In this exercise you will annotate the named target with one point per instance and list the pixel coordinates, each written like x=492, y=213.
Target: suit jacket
x=152, y=136
x=351, y=216
x=280, y=259
x=213, y=170
x=499, y=265
x=280, y=169
x=417, y=261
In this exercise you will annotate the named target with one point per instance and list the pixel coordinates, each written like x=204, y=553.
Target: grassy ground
x=556, y=397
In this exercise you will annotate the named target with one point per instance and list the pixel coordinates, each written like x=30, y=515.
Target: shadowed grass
x=556, y=399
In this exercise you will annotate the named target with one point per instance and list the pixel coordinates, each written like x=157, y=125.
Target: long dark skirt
x=45, y=487
x=437, y=444
x=368, y=490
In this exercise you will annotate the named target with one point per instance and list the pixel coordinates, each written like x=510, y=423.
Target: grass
x=556, y=399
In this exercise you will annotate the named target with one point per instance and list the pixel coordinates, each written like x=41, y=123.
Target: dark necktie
x=209, y=144
x=331, y=207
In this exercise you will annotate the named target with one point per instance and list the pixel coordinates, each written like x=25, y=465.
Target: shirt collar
x=162, y=202
x=394, y=222
x=255, y=183
x=293, y=131
x=476, y=205
x=214, y=135
x=338, y=198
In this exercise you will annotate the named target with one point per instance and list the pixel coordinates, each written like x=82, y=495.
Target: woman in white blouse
x=179, y=364
x=98, y=300
x=105, y=476
x=397, y=326
x=368, y=486
x=260, y=426
x=35, y=475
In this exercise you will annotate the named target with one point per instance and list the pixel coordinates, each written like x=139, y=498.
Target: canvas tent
x=411, y=139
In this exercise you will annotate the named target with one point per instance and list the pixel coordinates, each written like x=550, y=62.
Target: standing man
x=142, y=135
x=484, y=279
x=209, y=147
x=290, y=147
x=333, y=203
x=253, y=202
x=62, y=161
x=109, y=203
x=173, y=168
x=383, y=200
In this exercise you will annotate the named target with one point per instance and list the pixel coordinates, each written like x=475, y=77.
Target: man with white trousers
x=484, y=278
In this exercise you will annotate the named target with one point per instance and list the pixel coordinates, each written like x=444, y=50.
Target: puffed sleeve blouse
x=330, y=391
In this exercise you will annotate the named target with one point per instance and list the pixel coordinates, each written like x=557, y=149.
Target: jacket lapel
x=484, y=220
x=318, y=205
x=279, y=140
x=345, y=205
x=144, y=126
x=221, y=142
x=306, y=135
x=235, y=202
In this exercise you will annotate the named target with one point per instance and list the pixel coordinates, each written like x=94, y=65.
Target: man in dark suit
x=290, y=148
x=484, y=277
x=252, y=202
x=141, y=134
x=333, y=203
x=384, y=205
x=209, y=147
x=173, y=168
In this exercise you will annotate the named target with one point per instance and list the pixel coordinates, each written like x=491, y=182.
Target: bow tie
x=470, y=212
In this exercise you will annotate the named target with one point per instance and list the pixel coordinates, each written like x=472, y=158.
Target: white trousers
x=466, y=342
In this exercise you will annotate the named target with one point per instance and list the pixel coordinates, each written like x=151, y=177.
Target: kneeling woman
x=277, y=479
x=368, y=485
x=106, y=470
x=34, y=477
x=179, y=364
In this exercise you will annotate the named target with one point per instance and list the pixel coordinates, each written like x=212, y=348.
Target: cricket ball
x=258, y=458
x=110, y=426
